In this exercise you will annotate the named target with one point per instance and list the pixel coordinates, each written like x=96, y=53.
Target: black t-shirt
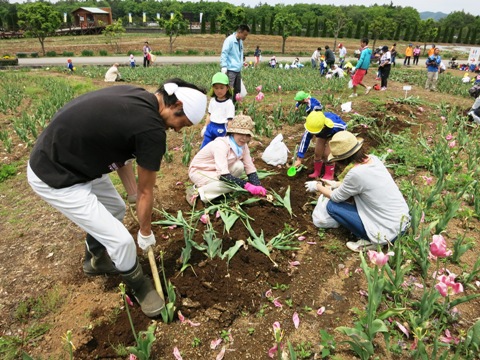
x=97, y=133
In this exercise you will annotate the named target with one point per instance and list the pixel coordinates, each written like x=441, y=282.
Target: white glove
x=145, y=241
x=202, y=133
x=332, y=183
x=224, y=70
x=132, y=199
x=311, y=186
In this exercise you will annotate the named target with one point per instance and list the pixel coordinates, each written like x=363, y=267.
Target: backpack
x=474, y=91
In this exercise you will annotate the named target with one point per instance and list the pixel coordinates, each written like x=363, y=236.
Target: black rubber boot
x=143, y=290
x=97, y=261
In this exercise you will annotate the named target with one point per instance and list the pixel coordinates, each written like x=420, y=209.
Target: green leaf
x=232, y=251
x=378, y=326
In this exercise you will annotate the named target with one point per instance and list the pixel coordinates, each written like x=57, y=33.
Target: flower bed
x=7, y=60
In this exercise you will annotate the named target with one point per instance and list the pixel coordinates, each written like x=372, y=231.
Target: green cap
x=220, y=78
x=301, y=95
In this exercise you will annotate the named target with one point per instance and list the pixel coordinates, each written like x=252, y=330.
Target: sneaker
x=383, y=88
x=368, y=90
x=353, y=95
x=191, y=195
x=361, y=245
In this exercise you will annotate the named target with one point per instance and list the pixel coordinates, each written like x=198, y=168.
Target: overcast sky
x=445, y=6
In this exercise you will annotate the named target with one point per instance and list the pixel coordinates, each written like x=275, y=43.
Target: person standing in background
x=408, y=55
x=316, y=57
x=257, y=54
x=393, y=53
x=146, y=54
x=231, y=59
x=342, y=54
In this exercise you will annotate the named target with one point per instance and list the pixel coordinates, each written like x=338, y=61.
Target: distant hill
x=432, y=15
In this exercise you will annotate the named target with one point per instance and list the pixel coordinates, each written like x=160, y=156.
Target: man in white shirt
x=342, y=53
x=315, y=57
x=113, y=74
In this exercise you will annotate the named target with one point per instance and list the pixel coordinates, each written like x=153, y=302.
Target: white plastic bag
x=243, y=90
x=347, y=107
x=320, y=216
x=350, y=84
x=277, y=152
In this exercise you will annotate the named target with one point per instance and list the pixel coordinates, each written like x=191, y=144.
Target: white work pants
x=98, y=209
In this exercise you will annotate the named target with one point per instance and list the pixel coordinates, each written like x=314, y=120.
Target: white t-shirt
x=316, y=55
x=386, y=57
x=380, y=204
x=221, y=111
x=339, y=72
x=342, y=52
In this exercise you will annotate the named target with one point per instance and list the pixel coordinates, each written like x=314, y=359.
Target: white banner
x=144, y=17
x=201, y=16
x=64, y=17
x=129, y=18
x=474, y=55
x=158, y=15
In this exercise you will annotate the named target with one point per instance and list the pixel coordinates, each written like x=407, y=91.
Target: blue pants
x=213, y=131
x=347, y=215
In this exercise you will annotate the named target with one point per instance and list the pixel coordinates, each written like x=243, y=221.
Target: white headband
x=194, y=101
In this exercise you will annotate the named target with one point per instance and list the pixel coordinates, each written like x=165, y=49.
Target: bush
x=158, y=53
x=34, y=54
x=209, y=52
x=7, y=171
x=87, y=52
x=136, y=52
x=192, y=52
x=179, y=52
x=22, y=55
x=103, y=53
x=68, y=53
x=51, y=53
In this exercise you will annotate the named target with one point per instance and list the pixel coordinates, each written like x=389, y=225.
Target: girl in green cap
x=220, y=110
x=305, y=98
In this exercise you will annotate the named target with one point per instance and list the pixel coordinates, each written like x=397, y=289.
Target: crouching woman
x=378, y=213
x=222, y=162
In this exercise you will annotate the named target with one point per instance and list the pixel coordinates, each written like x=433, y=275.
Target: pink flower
x=296, y=320
x=215, y=343
x=301, y=238
x=205, y=219
x=277, y=303
x=129, y=301
x=277, y=332
x=238, y=97
x=448, y=286
x=132, y=357
x=217, y=214
x=452, y=144
x=294, y=263
x=321, y=310
x=259, y=88
x=272, y=351
x=428, y=179
x=449, y=137
x=221, y=354
x=403, y=329
x=269, y=294
x=389, y=151
x=443, y=118
x=448, y=338
x=438, y=247
x=260, y=96
x=379, y=258
x=176, y=353
x=193, y=324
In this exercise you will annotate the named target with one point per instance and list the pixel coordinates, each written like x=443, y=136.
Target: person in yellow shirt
x=431, y=51
x=408, y=55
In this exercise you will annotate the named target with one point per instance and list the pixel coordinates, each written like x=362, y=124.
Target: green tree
x=414, y=35
x=365, y=30
x=288, y=23
x=254, y=26
x=263, y=26
x=445, y=35
x=437, y=38
x=467, y=37
x=459, y=36
x=473, y=37
x=324, y=29
x=272, y=19
x=174, y=26
x=230, y=19
x=213, y=24
x=379, y=26
x=336, y=22
x=427, y=32
x=315, y=28
x=450, y=36
x=39, y=20
x=113, y=34
x=358, y=30
x=307, y=30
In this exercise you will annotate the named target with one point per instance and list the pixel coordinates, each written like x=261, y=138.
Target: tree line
x=377, y=22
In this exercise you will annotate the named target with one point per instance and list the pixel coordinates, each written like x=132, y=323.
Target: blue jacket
x=364, y=60
x=433, y=63
x=232, y=53
x=326, y=133
x=315, y=105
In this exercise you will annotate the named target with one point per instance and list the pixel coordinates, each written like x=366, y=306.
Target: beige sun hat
x=343, y=145
x=241, y=124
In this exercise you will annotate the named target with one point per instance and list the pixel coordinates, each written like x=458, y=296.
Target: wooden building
x=91, y=17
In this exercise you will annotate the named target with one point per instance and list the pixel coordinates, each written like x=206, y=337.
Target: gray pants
x=432, y=77
x=235, y=80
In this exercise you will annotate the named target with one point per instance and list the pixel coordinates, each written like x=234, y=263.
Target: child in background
x=220, y=110
x=311, y=103
x=323, y=126
x=323, y=66
x=70, y=66
x=273, y=62
x=132, y=61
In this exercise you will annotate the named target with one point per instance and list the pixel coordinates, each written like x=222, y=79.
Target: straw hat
x=241, y=124
x=343, y=145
